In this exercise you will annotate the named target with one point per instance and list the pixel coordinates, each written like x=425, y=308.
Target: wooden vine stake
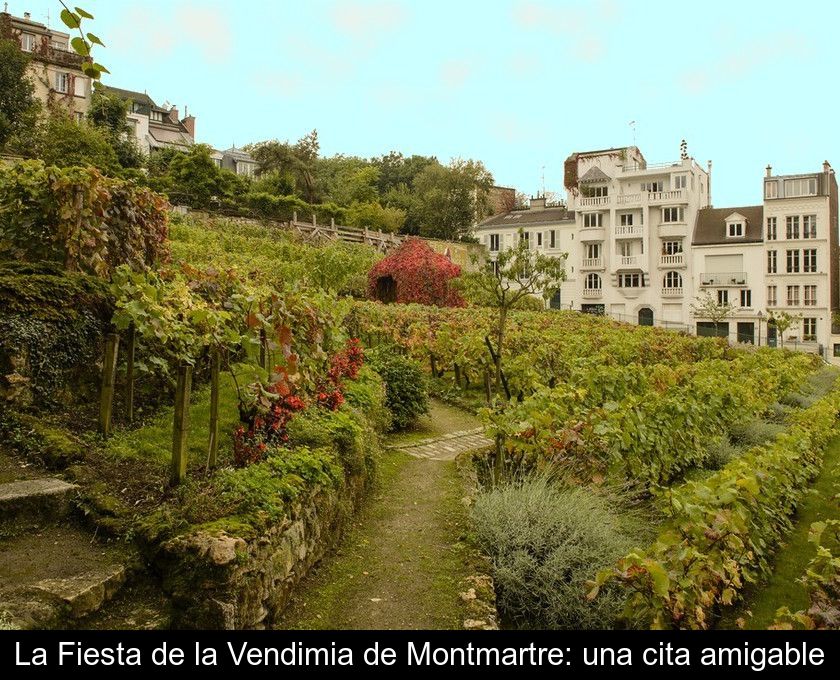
x=129, y=373
x=488, y=392
x=215, y=365
x=180, y=428
x=109, y=374
x=262, y=348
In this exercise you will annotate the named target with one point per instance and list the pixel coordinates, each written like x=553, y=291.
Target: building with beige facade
x=55, y=69
x=644, y=245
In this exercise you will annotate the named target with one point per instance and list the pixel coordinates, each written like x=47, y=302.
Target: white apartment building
x=644, y=244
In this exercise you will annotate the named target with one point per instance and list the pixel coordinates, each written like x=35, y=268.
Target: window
x=736, y=229
x=810, y=296
x=806, y=186
x=672, y=247
x=746, y=298
x=157, y=116
x=494, y=242
x=672, y=280
x=525, y=236
x=629, y=281
x=771, y=261
x=771, y=296
x=771, y=229
x=793, y=226
x=27, y=42
x=809, y=226
x=593, y=282
x=771, y=189
x=626, y=219
x=809, y=261
x=495, y=268
x=672, y=214
x=723, y=297
x=837, y=350
x=80, y=86
x=625, y=248
x=793, y=296
x=62, y=82
x=593, y=251
x=809, y=329
x=680, y=181
x=593, y=219
x=552, y=239
x=652, y=186
x=539, y=239
x=599, y=192
x=792, y=261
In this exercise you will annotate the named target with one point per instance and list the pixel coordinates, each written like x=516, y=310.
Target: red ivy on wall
x=415, y=273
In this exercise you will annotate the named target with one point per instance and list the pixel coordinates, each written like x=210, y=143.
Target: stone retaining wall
x=218, y=580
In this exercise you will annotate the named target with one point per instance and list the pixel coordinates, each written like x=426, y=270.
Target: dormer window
x=736, y=229
x=157, y=116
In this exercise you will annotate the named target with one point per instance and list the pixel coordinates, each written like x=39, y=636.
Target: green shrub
x=367, y=393
x=531, y=303
x=406, y=387
x=754, y=432
x=718, y=454
x=344, y=431
x=546, y=541
x=777, y=413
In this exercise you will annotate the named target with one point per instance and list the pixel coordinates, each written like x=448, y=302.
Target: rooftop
x=529, y=218
x=710, y=228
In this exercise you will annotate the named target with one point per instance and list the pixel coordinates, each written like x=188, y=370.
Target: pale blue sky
x=518, y=85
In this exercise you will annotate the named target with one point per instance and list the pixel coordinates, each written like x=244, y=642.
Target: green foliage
x=368, y=394
x=65, y=142
x=707, y=307
x=194, y=179
x=108, y=113
x=546, y=540
x=18, y=107
x=754, y=432
x=719, y=452
x=83, y=43
x=78, y=218
x=406, y=388
x=373, y=216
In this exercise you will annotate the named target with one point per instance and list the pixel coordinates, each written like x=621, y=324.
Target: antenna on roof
x=543, y=181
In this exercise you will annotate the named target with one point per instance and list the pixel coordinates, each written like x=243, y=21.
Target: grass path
x=401, y=564
x=782, y=588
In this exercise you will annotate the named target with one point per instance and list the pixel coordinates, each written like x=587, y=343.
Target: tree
x=109, y=113
x=782, y=321
x=64, y=142
x=448, y=201
x=517, y=273
x=298, y=161
x=396, y=171
x=374, y=216
x=18, y=107
x=707, y=307
x=195, y=179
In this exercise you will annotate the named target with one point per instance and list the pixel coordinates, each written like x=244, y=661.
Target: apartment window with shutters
x=723, y=297
x=27, y=42
x=593, y=219
x=809, y=296
x=552, y=239
x=746, y=298
x=793, y=226
x=809, y=226
x=672, y=214
x=62, y=83
x=771, y=229
x=494, y=242
x=771, y=296
x=771, y=261
x=792, y=261
x=809, y=261
x=793, y=296
x=809, y=329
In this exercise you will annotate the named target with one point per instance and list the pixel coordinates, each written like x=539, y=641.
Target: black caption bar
x=25, y=653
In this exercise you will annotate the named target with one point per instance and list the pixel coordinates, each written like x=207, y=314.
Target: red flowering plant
x=344, y=364
x=415, y=273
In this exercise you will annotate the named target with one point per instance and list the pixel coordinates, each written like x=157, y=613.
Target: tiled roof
x=711, y=225
x=594, y=174
x=529, y=217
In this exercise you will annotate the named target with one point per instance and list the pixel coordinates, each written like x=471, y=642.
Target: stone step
x=84, y=593
x=35, y=499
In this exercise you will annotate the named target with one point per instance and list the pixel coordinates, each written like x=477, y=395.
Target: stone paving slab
x=447, y=447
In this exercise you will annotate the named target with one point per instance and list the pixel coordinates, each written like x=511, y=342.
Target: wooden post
x=129, y=373
x=262, y=348
x=457, y=375
x=433, y=365
x=181, y=424
x=488, y=393
x=215, y=365
x=109, y=373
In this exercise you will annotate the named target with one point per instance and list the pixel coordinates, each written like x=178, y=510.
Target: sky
x=517, y=84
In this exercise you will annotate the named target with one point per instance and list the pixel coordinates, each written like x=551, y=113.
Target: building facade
x=55, y=70
x=156, y=127
x=645, y=246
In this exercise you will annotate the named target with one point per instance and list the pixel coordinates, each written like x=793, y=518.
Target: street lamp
x=760, y=318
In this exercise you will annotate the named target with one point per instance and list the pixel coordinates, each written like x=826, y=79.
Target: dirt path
x=401, y=565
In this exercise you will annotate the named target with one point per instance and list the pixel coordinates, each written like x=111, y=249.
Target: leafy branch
x=84, y=42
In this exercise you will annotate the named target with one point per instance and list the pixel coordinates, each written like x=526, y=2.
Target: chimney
x=826, y=166
x=768, y=171
x=709, y=173
x=27, y=16
x=189, y=123
x=537, y=203
x=174, y=116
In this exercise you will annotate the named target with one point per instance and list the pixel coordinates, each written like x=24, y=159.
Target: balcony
x=622, y=231
x=592, y=263
x=594, y=201
x=672, y=292
x=724, y=279
x=673, y=230
x=628, y=199
x=589, y=234
x=590, y=293
x=660, y=197
x=629, y=261
x=671, y=261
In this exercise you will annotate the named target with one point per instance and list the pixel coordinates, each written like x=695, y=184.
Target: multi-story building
x=55, y=70
x=238, y=161
x=644, y=245
x=156, y=127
